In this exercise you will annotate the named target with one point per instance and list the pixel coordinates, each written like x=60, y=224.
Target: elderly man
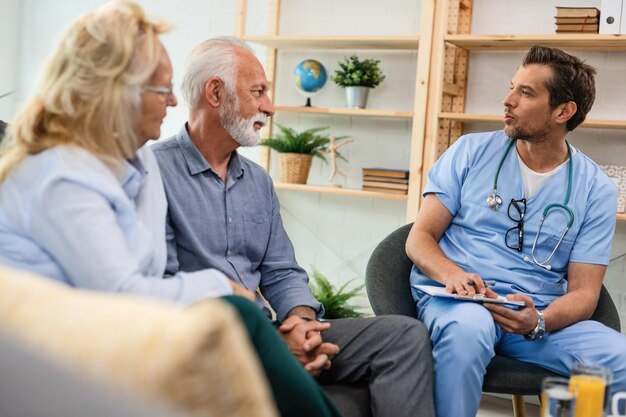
x=224, y=214
x=523, y=208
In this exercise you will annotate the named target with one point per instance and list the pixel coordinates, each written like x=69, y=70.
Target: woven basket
x=294, y=167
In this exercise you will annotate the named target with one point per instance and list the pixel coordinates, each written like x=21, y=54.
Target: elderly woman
x=81, y=201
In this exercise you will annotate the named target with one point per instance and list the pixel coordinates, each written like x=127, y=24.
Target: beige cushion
x=196, y=359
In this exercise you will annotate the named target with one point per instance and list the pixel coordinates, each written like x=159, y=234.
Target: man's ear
x=214, y=92
x=565, y=111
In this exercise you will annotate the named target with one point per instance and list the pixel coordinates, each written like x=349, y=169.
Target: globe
x=310, y=76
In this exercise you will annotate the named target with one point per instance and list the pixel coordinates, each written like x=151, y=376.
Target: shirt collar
x=196, y=162
x=235, y=167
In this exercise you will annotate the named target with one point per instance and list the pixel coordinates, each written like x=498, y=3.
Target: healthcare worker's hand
x=464, y=283
x=521, y=321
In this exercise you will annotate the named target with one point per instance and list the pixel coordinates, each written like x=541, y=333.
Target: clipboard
x=436, y=291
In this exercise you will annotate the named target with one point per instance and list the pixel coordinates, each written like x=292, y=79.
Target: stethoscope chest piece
x=494, y=201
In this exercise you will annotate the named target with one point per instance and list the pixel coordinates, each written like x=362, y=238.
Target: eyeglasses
x=159, y=89
x=516, y=212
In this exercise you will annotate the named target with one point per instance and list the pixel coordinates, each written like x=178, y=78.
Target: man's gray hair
x=214, y=57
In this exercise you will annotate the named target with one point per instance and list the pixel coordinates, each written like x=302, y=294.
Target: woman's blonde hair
x=89, y=91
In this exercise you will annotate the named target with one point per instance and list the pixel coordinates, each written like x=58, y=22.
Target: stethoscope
x=494, y=201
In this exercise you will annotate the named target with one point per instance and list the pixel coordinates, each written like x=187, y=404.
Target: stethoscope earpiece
x=546, y=266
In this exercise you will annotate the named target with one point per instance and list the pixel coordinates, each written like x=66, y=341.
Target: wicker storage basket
x=294, y=167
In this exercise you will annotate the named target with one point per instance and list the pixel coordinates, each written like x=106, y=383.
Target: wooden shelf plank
x=347, y=112
x=621, y=217
x=493, y=118
x=337, y=190
x=472, y=118
x=577, y=41
x=337, y=42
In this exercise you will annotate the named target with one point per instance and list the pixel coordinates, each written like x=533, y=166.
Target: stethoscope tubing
x=494, y=201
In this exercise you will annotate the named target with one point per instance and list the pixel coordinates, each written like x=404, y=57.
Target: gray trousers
x=388, y=357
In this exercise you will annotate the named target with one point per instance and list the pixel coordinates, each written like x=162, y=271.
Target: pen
x=488, y=282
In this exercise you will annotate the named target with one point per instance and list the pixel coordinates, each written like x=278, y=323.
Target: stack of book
x=577, y=20
x=394, y=181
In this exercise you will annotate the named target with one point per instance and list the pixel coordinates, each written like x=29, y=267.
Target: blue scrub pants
x=465, y=339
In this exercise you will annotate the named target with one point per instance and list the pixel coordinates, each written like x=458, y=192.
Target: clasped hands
x=521, y=321
x=304, y=340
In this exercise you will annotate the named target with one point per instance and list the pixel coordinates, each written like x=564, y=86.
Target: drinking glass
x=593, y=383
x=558, y=399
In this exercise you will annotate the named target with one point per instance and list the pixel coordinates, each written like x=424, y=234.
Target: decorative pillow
x=196, y=359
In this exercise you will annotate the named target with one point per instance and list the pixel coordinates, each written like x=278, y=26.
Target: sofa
x=155, y=358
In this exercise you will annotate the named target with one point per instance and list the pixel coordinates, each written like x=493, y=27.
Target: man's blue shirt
x=234, y=227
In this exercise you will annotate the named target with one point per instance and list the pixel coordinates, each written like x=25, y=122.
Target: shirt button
x=230, y=220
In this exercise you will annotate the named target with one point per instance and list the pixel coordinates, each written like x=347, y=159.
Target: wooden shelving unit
x=276, y=41
x=449, y=58
x=437, y=118
x=338, y=190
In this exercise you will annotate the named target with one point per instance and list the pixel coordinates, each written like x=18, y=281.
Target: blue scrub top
x=475, y=240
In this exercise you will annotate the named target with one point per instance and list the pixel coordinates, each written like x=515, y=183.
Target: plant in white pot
x=297, y=150
x=358, y=77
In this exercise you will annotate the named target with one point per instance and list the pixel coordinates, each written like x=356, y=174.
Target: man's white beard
x=240, y=129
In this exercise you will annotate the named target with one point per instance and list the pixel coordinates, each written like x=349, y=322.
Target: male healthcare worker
x=523, y=208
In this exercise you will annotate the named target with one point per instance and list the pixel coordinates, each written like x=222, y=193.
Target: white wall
x=10, y=22
x=336, y=233
x=43, y=23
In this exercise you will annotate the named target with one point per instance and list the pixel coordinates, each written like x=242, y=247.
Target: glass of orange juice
x=593, y=384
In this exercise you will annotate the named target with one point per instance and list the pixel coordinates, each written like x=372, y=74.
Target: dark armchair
x=388, y=290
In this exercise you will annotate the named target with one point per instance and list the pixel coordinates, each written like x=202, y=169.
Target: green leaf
x=335, y=301
x=354, y=73
x=309, y=141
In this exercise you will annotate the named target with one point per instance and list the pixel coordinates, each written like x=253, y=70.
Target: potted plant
x=358, y=77
x=335, y=301
x=297, y=150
